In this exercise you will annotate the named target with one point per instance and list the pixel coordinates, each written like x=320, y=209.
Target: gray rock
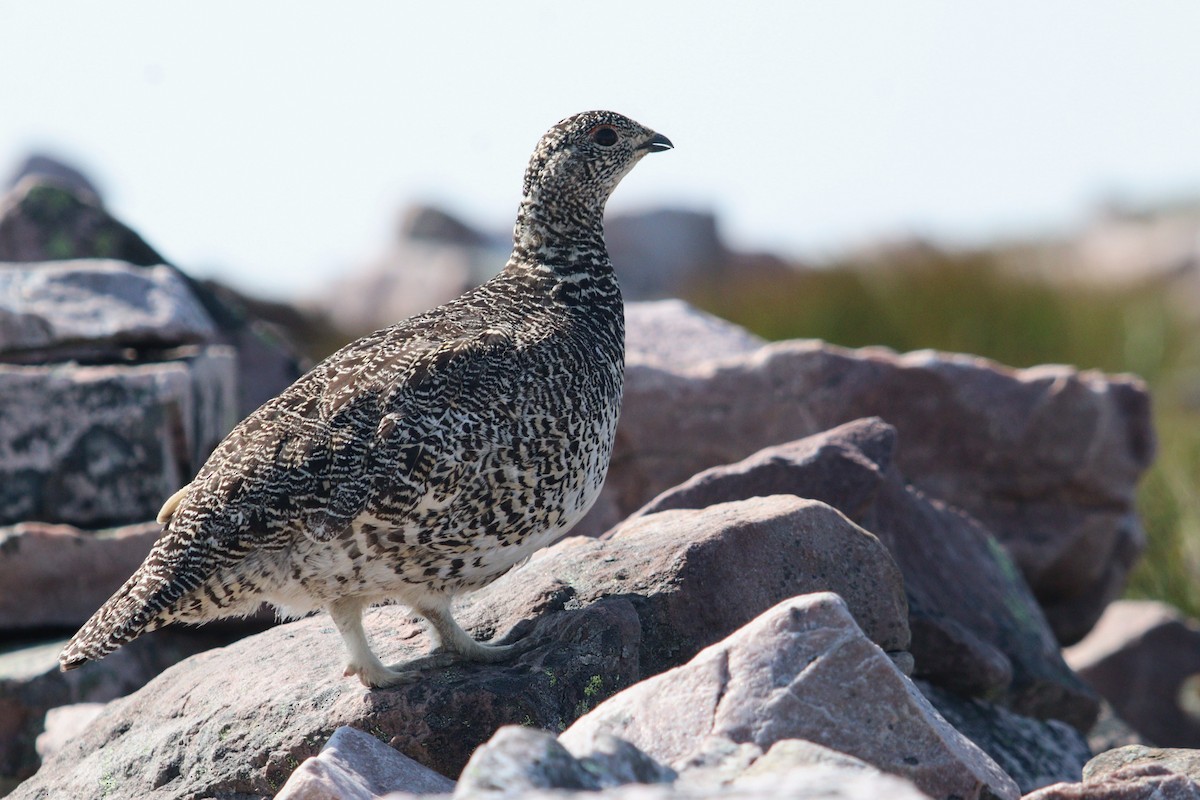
x=1144, y=658
x=605, y=614
x=516, y=760
x=787, y=676
x=48, y=167
x=63, y=724
x=800, y=783
x=434, y=258
x=44, y=219
x=58, y=575
x=101, y=305
x=238, y=721
x=1046, y=458
x=356, y=766
x=663, y=252
x=1033, y=753
x=720, y=761
x=31, y=684
x=976, y=627
x=1111, y=732
x=98, y=446
x=615, y=762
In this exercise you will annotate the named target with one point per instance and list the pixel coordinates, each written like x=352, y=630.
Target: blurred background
x=1015, y=180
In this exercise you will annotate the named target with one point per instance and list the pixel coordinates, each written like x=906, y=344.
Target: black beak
x=656, y=144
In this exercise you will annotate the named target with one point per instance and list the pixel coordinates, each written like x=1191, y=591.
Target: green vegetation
x=971, y=303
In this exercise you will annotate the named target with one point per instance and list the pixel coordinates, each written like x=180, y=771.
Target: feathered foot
x=453, y=644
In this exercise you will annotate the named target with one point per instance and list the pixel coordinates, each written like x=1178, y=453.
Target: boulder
x=433, y=258
x=31, y=685
x=976, y=627
x=1032, y=752
x=602, y=615
x=49, y=167
x=44, y=219
x=1133, y=773
x=520, y=762
x=673, y=334
x=94, y=308
x=1046, y=458
x=356, y=766
x=99, y=446
x=517, y=760
x=802, y=670
x=1179, y=760
x=729, y=563
x=663, y=252
x=238, y=721
x=63, y=724
x=1144, y=658
x=58, y=575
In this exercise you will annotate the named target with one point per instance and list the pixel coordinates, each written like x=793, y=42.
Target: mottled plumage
x=425, y=459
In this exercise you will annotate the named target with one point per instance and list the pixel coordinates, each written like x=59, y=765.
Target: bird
x=423, y=460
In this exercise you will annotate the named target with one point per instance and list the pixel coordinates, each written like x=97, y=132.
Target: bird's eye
x=604, y=135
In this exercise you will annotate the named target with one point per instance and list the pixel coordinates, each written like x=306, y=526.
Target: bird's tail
x=141, y=605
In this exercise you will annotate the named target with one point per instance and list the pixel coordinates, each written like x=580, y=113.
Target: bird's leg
x=347, y=616
x=453, y=643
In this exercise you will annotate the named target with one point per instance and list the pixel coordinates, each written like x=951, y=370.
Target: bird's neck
x=566, y=240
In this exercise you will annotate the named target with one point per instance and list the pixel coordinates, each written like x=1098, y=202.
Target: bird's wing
x=308, y=463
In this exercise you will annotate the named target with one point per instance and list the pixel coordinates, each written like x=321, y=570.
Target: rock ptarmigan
x=423, y=460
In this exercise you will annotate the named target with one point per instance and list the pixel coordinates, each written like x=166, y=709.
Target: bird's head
x=579, y=162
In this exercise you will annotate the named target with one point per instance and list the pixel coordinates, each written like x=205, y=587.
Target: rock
x=95, y=306
x=525, y=763
x=616, y=762
x=1111, y=732
x=1046, y=458
x=660, y=253
x=268, y=354
x=697, y=576
x=63, y=724
x=787, y=675
x=49, y=168
x=705, y=573
x=1133, y=773
x=1032, y=752
x=672, y=333
x=31, y=684
x=801, y=783
x=517, y=760
x=98, y=446
x=1147, y=782
x=434, y=258
x=238, y=721
x=58, y=575
x=356, y=766
x=1144, y=658
x=604, y=614
x=720, y=761
x=43, y=219
x=976, y=627
x=1181, y=761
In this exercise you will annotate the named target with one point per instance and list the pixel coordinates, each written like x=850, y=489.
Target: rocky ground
x=813, y=573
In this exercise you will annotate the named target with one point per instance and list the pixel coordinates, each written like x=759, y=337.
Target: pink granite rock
x=802, y=670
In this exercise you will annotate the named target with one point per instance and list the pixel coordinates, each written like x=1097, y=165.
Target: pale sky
x=271, y=144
